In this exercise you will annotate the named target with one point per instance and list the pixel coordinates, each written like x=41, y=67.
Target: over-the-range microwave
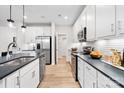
x=82, y=35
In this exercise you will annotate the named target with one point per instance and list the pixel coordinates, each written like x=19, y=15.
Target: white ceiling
x=34, y=13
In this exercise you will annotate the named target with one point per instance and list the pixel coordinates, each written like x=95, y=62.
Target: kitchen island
x=18, y=70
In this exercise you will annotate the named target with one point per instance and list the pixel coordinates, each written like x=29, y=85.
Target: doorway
x=62, y=46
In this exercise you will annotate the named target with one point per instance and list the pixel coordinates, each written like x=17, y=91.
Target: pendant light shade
x=10, y=21
x=23, y=26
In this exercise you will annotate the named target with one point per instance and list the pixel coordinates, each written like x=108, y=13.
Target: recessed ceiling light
x=42, y=16
x=25, y=17
x=59, y=15
x=65, y=17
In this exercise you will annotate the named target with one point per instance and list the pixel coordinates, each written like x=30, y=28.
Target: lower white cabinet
x=12, y=81
x=25, y=77
x=29, y=78
x=105, y=82
x=81, y=72
x=90, y=77
x=2, y=83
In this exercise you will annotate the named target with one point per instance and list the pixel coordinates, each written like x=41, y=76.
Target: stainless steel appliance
x=74, y=65
x=82, y=35
x=42, y=61
x=44, y=44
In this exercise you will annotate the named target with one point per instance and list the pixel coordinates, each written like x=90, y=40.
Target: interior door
x=62, y=46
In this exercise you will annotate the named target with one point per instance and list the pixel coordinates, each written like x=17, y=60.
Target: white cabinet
x=2, y=83
x=105, y=82
x=90, y=77
x=91, y=22
x=105, y=20
x=81, y=72
x=83, y=18
x=29, y=75
x=76, y=29
x=12, y=81
x=120, y=19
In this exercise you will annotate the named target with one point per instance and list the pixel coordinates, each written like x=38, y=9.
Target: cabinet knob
x=119, y=25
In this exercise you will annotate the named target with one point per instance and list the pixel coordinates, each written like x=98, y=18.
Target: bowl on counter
x=96, y=54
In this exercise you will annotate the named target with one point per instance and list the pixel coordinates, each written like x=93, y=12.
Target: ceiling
x=42, y=13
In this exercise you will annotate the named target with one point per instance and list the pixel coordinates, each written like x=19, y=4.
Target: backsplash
x=105, y=45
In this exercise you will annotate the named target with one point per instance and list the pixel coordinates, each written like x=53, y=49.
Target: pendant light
x=23, y=26
x=10, y=21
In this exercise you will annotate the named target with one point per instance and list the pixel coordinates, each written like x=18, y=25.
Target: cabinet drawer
x=28, y=67
x=90, y=70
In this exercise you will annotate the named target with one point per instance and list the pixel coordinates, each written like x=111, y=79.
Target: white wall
x=6, y=37
x=32, y=32
x=68, y=31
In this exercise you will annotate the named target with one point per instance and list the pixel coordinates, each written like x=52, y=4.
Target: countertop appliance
x=44, y=44
x=87, y=49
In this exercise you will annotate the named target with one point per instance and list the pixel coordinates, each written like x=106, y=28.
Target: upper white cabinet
x=83, y=18
x=120, y=19
x=12, y=81
x=105, y=20
x=76, y=29
x=91, y=22
x=2, y=83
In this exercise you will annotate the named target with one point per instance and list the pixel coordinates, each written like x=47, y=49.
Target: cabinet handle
x=119, y=25
x=112, y=27
x=18, y=81
x=94, y=85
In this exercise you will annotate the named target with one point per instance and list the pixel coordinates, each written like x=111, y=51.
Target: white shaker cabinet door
x=91, y=22
x=81, y=72
x=105, y=82
x=90, y=76
x=13, y=81
x=120, y=19
x=2, y=83
x=105, y=20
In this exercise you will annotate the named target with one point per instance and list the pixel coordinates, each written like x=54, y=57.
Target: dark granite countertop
x=8, y=69
x=115, y=74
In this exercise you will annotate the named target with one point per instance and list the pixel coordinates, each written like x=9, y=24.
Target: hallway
x=59, y=76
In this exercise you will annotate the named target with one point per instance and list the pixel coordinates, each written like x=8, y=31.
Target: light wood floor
x=59, y=76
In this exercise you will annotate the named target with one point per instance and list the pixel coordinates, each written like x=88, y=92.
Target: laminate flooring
x=59, y=76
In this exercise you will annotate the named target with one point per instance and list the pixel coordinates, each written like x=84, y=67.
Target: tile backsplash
x=105, y=45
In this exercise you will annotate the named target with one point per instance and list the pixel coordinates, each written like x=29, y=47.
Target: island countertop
x=8, y=69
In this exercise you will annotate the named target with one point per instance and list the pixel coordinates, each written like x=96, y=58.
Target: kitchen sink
x=110, y=63
x=17, y=62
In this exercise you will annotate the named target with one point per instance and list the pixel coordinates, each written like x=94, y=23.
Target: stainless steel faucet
x=14, y=45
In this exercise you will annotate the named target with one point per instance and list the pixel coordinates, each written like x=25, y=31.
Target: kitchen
x=75, y=46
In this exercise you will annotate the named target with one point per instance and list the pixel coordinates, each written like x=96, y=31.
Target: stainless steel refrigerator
x=45, y=46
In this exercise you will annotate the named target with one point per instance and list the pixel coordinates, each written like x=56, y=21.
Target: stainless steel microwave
x=82, y=35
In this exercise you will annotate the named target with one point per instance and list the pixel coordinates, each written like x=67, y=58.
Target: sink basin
x=17, y=62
